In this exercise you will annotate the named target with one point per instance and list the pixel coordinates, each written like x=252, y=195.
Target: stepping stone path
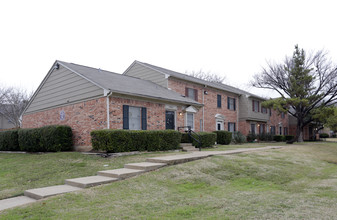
x=108, y=176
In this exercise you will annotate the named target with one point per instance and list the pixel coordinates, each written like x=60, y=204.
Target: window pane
x=190, y=120
x=135, y=118
x=191, y=94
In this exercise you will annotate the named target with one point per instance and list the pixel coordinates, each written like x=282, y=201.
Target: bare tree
x=305, y=82
x=13, y=101
x=208, y=76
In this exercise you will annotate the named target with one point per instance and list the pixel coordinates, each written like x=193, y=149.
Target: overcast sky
x=230, y=38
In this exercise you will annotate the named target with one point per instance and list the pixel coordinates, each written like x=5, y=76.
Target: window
x=231, y=126
x=285, y=131
x=282, y=115
x=272, y=130
x=134, y=118
x=219, y=101
x=252, y=128
x=256, y=106
x=262, y=129
x=280, y=130
x=270, y=112
x=264, y=110
x=231, y=104
x=190, y=120
x=191, y=93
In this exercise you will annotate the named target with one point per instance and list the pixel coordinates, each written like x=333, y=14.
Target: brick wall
x=276, y=118
x=81, y=117
x=210, y=101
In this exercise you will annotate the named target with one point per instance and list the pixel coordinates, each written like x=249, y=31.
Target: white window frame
x=193, y=114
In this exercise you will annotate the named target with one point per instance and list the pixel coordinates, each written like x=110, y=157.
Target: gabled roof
x=182, y=76
x=126, y=85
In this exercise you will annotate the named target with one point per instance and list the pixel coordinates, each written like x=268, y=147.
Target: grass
x=19, y=172
x=296, y=182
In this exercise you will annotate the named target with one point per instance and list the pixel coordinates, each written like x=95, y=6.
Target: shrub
x=9, y=140
x=289, y=137
x=278, y=138
x=333, y=135
x=125, y=140
x=223, y=137
x=239, y=138
x=207, y=139
x=49, y=138
x=251, y=137
x=185, y=138
x=323, y=135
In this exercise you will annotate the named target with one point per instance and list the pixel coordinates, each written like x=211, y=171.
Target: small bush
x=9, y=140
x=207, y=139
x=289, y=137
x=251, y=137
x=185, y=138
x=278, y=138
x=45, y=139
x=223, y=137
x=239, y=138
x=333, y=135
x=125, y=140
x=323, y=135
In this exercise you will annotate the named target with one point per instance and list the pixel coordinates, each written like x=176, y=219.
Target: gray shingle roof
x=182, y=76
x=123, y=84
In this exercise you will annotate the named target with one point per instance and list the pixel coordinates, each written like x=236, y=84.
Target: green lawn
x=19, y=172
x=296, y=182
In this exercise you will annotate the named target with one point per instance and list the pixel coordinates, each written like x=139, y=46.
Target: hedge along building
x=88, y=99
x=220, y=102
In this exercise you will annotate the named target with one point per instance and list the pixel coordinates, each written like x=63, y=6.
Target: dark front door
x=170, y=120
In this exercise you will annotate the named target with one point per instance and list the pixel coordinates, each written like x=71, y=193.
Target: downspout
x=238, y=112
x=108, y=94
x=203, y=108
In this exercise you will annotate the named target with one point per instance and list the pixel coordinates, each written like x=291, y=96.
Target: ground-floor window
x=253, y=128
x=285, y=131
x=280, y=130
x=134, y=118
x=190, y=120
x=272, y=130
x=231, y=126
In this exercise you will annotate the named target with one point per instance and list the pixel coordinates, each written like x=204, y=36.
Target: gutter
x=108, y=93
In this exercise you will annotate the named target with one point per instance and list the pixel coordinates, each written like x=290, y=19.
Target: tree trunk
x=299, y=131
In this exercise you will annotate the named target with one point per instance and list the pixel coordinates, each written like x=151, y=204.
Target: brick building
x=145, y=97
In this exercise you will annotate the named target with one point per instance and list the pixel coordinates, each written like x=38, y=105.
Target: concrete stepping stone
x=175, y=159
x=121, y=173
x=14, y=202
x=146, y=166
x=44, y=192
x=89, y=181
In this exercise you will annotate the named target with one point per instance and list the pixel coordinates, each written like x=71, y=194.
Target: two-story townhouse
x=220, y=109
x=88, y=99
x=254, y=118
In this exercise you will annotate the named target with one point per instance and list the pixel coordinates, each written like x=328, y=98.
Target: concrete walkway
x=108, y=176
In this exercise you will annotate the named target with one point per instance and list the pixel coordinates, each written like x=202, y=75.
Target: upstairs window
x=282, y=115
x=231, y=103
x=270, y=112
x=219, y=101
x=256, y=106
x=191, y=93
x=264, y=110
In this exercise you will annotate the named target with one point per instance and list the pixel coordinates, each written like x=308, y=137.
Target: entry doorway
x=220, y=125
x=170, y=120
